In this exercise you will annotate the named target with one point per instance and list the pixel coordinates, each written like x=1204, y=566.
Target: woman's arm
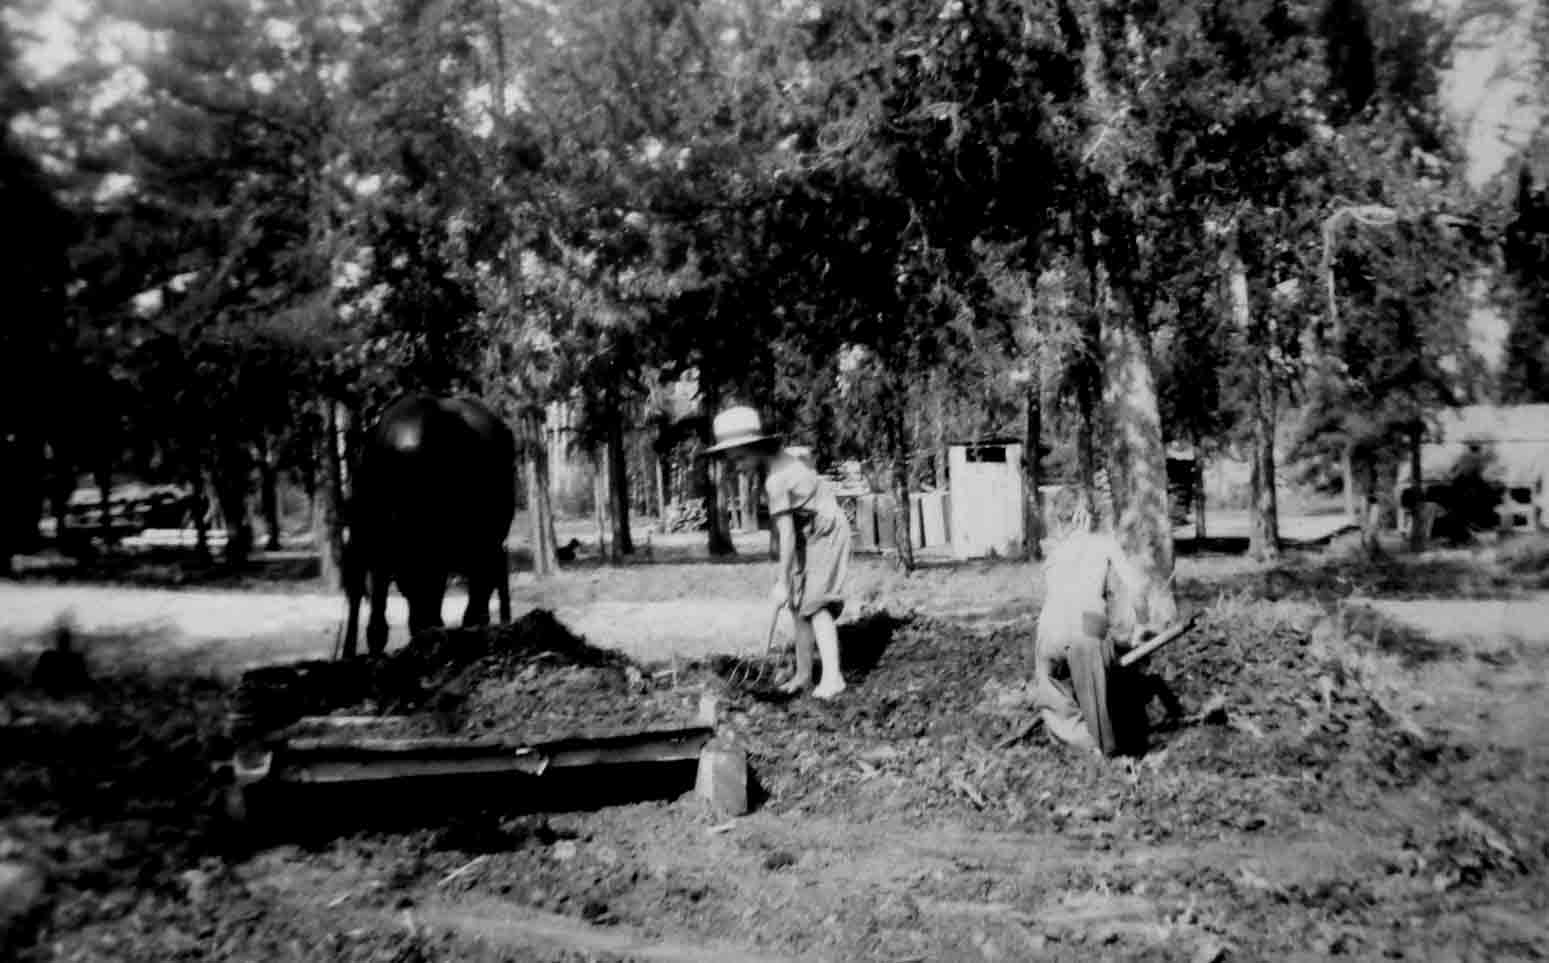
x=785, y=525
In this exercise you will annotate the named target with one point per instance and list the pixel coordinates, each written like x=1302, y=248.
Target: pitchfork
x=749, y=673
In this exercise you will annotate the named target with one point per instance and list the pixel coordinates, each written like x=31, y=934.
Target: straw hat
x=736, y=427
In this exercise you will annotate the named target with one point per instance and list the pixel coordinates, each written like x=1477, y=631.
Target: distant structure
x=985, y=513
x=1507, y=447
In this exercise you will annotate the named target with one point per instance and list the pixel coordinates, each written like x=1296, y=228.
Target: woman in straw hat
x=814, y=538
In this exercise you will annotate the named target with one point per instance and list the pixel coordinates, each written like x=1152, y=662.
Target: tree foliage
x=885, y=223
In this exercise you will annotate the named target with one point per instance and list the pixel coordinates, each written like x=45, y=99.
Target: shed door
x=986, y=502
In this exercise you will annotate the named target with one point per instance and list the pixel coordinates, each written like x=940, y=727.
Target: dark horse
x=434, y=494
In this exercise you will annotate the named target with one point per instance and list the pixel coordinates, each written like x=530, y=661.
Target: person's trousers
x=1077, y=709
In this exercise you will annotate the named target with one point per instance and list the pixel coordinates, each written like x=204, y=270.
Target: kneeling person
x=1094, y=595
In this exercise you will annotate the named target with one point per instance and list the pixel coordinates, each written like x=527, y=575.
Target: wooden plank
x=887, y=520
x=934, y=518
x=372, y=770
x=866, y=523
x=363, y=760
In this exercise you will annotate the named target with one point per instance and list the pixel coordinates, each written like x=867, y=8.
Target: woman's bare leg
x=826, y=632
x=804, y=645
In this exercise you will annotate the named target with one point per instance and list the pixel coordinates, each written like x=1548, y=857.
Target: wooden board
x=331, y=760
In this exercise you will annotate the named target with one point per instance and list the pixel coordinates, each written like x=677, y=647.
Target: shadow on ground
x=1412, y=646
x=1301, y=575
x=863, y=642
x=175, y=567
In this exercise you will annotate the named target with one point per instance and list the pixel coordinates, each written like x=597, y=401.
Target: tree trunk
x=1200, y=532
x=1370, y=517
x=232, y=477
x=1086, y=454
x=1263, y=521
x=899, y=456
x=1347, y=478
x=1087, y=376
x=61, y=485
x=1264, y=527
x=747, y=496
x=270, y=480
x=545, y=558
x=719, y=542
x=941, y=446
x=1138, y=462
x=1139, y=486
x=726, y=494
x=618, y=484
x=600, y=500
x=104, y=479
x=1032, y=442
x=198, y=506
x=20, y=497
x=1417, y=533
x=661, y=494
x=1264, y=531
x=330, y=523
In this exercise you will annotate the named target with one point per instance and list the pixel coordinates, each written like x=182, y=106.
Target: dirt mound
x=537, y=632
x=533, y=679
x=1248, y=717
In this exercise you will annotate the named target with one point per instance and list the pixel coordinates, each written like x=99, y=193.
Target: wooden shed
x=988, y=502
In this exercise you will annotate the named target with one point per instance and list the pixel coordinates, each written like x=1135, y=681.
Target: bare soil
x=1350, y=774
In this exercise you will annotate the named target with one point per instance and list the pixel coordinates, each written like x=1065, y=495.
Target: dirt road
x=233, y=630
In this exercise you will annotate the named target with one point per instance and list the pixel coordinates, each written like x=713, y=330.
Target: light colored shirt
x=796, y=488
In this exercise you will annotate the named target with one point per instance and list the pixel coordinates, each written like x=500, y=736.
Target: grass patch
x=1525, y=555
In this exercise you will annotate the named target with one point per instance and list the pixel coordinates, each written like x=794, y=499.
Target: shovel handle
x=1141, y=651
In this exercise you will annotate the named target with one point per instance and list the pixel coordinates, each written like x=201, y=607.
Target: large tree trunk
x=1032, y=442
x=545, y=558
x=1087, y=375
x=1138, y=464
x=618, y=484
x=329, y=524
